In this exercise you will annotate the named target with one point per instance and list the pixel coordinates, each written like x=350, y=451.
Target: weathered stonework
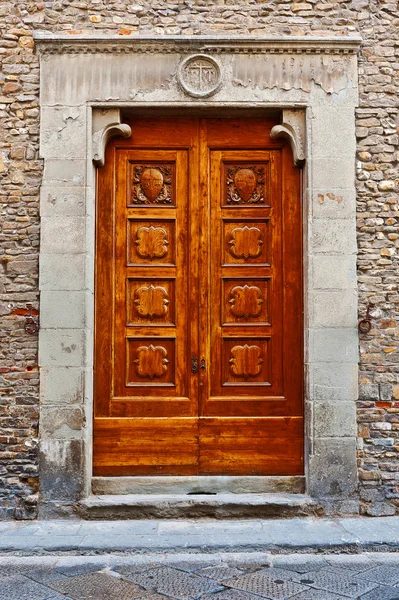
x=377, y=204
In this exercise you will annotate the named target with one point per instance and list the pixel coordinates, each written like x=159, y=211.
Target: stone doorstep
x=183, y=506
x=197, y=484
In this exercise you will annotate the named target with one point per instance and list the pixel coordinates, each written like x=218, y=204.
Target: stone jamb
x=74, y=129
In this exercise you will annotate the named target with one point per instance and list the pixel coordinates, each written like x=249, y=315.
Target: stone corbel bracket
x=293, y=129
x=106, y=125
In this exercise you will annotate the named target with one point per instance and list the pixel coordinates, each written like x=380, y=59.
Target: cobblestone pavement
x=245, y=576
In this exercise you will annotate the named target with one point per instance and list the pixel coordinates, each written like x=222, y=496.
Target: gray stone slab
x=272, y=583
x=99, y=586
x=220, y=573
x=383, y=574
x=300, y=563
x=174, y=583
x=317, y=595
x=357, y=562
x=338, y=581
x=382, y=593
x=21, y=588
x=230, y=595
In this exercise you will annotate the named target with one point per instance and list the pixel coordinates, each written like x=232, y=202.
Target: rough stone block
x=61, y=385
x=333, y=381
x=63, y=348
x=64, y=172
x=334, y=272
x=61, y=468
x=369, y=391
x=386, y=391
x=60, y=201
x=63, y=132
x=63, y=235
x=334, y=419
x=61, y=422
x=332, y=467
x=62, y=310
x=62, y=271
x=334, y=309
x=333, y=345
x=336, y=237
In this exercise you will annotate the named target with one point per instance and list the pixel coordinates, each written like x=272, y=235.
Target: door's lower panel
x=192, y=446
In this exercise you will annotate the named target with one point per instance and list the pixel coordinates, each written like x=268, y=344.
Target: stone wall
x=378, y=153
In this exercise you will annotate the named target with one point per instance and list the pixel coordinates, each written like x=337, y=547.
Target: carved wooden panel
x=150, y=302
x=150, y=361
x=246, y=361
x=246, y=185
x=245, y=242
x=151, y=242
x=245, y=301
x=152, y=184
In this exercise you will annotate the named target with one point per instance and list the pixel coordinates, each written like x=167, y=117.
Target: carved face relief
x=151, y=301
x=246, y=361
x=152, y=242
x=245, y=185
x=245, y=182
x=152, y=184
x=246, y=301
x=246, y=242
x=151, y=361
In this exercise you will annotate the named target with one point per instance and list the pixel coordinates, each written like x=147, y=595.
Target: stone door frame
x=86, y=82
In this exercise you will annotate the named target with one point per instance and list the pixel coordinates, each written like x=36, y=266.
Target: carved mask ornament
x=151, y=183
x=245, y=182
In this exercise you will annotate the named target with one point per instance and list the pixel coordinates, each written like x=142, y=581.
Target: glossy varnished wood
x=198, y=255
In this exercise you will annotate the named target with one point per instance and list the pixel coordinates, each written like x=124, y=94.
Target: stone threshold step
x=179, y=506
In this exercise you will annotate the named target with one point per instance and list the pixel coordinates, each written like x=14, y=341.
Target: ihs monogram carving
x=245, y=185
x=152, y=242
x=200, y=76
x=246, y=301
x=151, y=301
x=246, y=361
x=246, y=242
x=152, y=185
x=151, y=361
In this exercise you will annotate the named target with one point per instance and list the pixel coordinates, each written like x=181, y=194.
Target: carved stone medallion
x=200, y=76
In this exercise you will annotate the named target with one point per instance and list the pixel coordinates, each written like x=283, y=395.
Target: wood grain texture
x=199, y=254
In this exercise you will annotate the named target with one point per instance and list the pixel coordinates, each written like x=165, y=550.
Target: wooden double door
x=198, y=321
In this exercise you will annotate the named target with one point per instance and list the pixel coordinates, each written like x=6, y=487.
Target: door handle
x=194, y=364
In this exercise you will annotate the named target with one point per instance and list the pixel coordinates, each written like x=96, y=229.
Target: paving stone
x=45, y=575
x=317, y=595
x=220, y=573
x=20, y=588
x=383, y=574
x=382, y=593
x=300, y=563
x=12, y=570
x=131, y=569
x=76, y=570
x=175, y=583
x=339, y=581
x=274, y=584
x=97, y=586
x=230, y=595
x=353, y=563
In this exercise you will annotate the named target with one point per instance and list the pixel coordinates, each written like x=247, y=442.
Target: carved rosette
x=246, y=301
x=152, y=185
x=246, y=361
x=245, y=185
x=151, y=361
x=245, y=242
x=152, y=242
x=151, y=302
